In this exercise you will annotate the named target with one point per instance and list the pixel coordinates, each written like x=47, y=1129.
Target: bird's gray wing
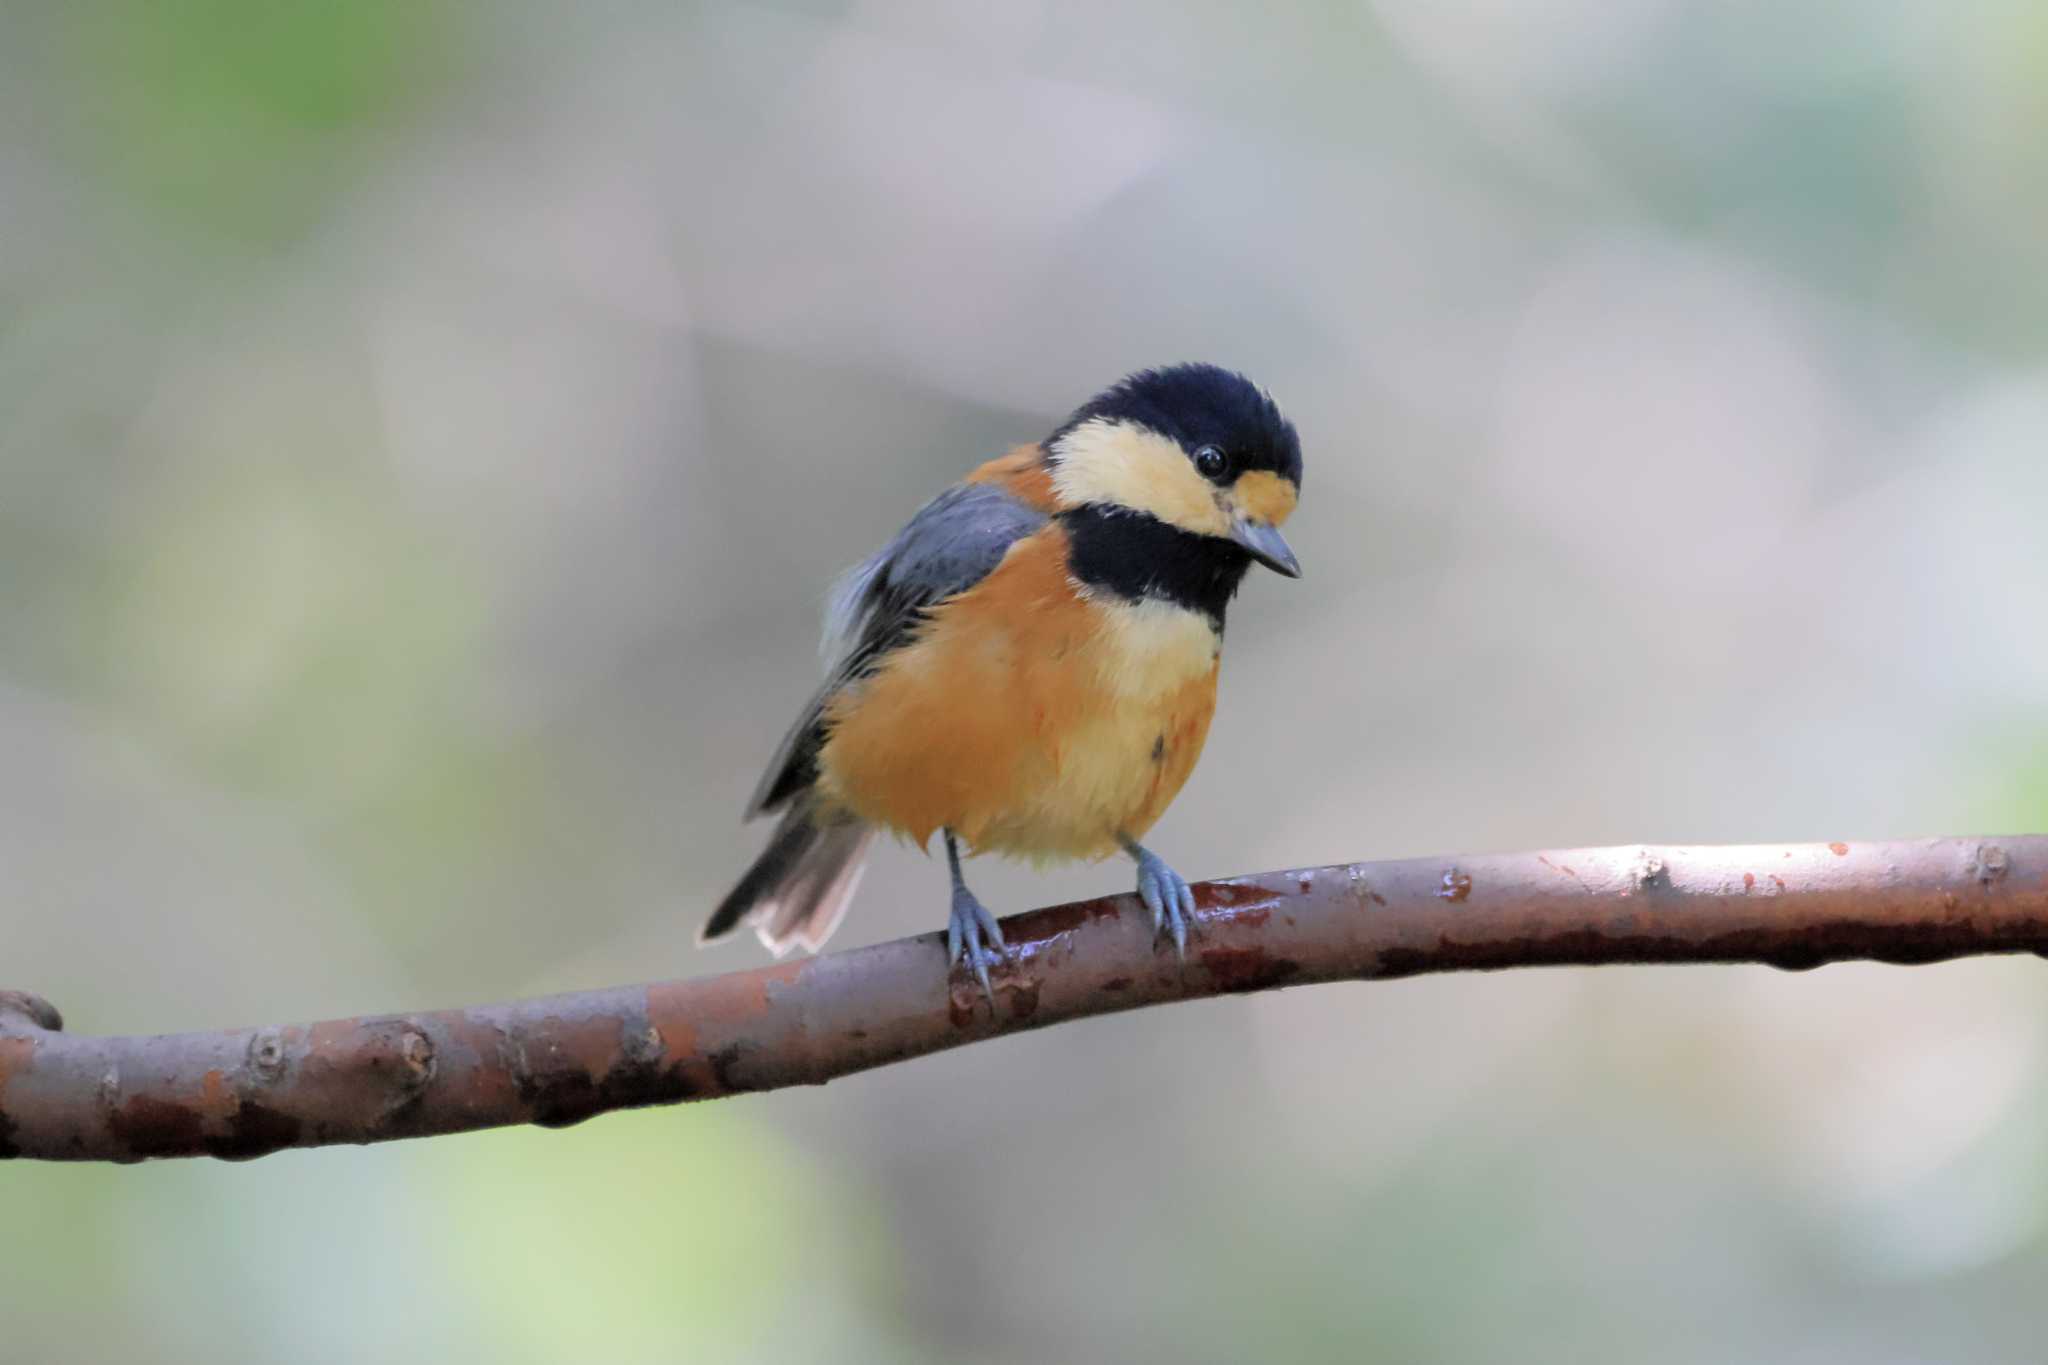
x=953, y=542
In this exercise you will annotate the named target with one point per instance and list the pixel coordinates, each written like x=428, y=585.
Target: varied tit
x=1029, y=667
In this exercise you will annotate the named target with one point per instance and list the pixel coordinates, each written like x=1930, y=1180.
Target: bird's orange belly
x=1028, y=720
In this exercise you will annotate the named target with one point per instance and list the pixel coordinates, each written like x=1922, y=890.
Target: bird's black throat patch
x=1136, y=557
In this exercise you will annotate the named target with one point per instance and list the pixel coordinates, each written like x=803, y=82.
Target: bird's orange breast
x=1026, y=717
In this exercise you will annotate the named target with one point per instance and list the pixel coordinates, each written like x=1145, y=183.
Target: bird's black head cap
x=1196, y=405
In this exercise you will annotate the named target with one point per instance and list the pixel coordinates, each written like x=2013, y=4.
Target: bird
x=1029, y=667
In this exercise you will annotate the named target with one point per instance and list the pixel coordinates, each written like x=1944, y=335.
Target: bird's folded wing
x=953, y=542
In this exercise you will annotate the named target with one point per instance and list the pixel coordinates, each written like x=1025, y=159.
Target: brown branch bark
x=558, y=1060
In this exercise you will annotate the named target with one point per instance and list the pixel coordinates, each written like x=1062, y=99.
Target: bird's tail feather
x=800, y=886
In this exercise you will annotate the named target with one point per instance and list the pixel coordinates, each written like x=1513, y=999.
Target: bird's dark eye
x=1213, y=463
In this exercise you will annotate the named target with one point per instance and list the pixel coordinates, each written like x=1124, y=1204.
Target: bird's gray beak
x=1265, y=545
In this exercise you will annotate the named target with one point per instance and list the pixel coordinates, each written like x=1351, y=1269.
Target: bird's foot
x=1167, y=895
x=974, y=939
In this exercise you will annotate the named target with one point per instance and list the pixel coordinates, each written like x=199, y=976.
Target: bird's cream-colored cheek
x=1121, y=464
x=1264, y=496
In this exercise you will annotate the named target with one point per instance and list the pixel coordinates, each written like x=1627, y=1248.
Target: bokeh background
x=426, y=431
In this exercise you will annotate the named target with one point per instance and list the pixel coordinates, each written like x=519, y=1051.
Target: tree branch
x=561, y=1059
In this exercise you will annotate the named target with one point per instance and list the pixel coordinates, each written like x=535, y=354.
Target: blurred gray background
x=426, y=434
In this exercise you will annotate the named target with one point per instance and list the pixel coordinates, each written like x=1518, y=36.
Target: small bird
x=1029, y=667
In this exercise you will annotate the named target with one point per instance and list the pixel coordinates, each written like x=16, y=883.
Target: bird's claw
x=975, y=939
x=1168, y=896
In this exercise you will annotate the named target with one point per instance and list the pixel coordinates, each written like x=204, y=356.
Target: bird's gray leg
x=971, y=924
x=1165, y=892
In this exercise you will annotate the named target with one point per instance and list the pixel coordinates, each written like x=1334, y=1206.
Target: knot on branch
x=1992, y=864
x=19, y=1007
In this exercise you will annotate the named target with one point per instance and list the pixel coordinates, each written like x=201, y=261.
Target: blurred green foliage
x=240, y=123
